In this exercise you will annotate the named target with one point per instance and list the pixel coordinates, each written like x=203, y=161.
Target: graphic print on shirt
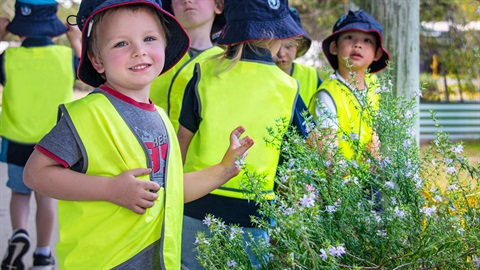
x=157, y=148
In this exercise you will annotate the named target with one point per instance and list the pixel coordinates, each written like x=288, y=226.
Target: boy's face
x=131, y=49
x=196, y=13
x=286, y=54
x=359, y=47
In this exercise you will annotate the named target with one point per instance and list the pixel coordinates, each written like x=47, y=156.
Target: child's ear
x=333, y=48
x=378, y=54
x=219, y=7
x=97, y=64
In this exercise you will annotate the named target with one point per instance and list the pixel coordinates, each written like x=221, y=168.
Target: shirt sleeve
x=325, y=109
x=190, y=114
x=60, y=142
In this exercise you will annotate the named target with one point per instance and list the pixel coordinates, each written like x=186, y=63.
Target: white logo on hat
x=25, y=10
x=274, y=4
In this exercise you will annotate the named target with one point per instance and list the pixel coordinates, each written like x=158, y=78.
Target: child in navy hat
x=36, y=77
x=113, y=159
x=244, y=87
x=202, y=20
x=355, y=52
x=291, y=49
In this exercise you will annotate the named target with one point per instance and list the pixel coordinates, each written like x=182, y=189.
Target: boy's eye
x=348, y=37
x=150, y=39
x=120, y=44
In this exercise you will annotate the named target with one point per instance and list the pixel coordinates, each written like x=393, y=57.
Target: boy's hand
x=236, y=152
x=3, y=27
x=132, y=193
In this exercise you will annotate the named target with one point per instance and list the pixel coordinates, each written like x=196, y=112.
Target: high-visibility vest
x=241, y=96
x=307, y=77
x=37, y=80
x=100, y=234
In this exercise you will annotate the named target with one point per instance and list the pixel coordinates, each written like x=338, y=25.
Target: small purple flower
x=333, y=77
x=308, y=201
x=390, y=184
x=478, y=12
x=232, y=263
x=428, y=211
x=408, y=114
x=353, y=136
x=207, y=221
x=457, y=149
x=331, y=208
x=337, y=251
x=399, y=213
x=323, y=254
x=451, y=170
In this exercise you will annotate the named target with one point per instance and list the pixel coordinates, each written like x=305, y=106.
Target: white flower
x=382, y=233
x=288, y=211
x=331, y=208
x=333, y=77
x=452, y=187
x=231, y=263
x=399, y=213
x=408, y=114
x=448, y=161
x=428, y=210
x=406, y=143
x=451, y=170
x=323, y=254
x=458, y=149
x=438, y=198
x=308, y=201
x=390, y=184
x=337, y=251
x=419, y=93
x=207, y=221
x=476, y=260
x=353, y=136
x=239, y=162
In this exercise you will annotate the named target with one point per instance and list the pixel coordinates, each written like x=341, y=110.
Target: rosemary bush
x=388, y=212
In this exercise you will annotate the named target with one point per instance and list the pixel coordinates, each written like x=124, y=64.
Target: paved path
x=5, y=226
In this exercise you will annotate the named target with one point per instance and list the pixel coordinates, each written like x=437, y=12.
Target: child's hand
x=132, y=193
x=236, y=152
x=3, y=27
x=74, y=36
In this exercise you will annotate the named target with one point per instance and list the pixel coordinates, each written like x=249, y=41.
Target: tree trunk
x=400, y=20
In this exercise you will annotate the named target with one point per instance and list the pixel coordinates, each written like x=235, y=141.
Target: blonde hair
x=93, y=47
x=232, y=53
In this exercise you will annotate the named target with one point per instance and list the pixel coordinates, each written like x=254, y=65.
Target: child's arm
x=184, y=138
x=3, y=27
x=47, y=176
x=74, y=36
x=199, y=183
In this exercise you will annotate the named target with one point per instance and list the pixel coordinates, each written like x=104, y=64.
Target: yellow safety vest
x=307, y=77
x=102, y=235
x=241, y=96
x=352, y=119
x=37, y=80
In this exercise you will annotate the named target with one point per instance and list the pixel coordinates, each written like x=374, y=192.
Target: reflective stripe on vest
x=351, y=118
x=308, y=79
x=37, y=81
x=241, y=96
x=101, y=234
x=180, y=81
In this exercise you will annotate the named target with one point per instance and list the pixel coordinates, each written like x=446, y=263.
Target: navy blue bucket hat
x=249, y=20
x=177, y=40
x=218, y=23
x=356, y=21
x=36, y=18
x=307, y=40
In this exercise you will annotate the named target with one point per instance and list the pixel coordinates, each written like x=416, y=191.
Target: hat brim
x=177, y=41
x=376, y=66
x=245, y=31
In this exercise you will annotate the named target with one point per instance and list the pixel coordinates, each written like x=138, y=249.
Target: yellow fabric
x=37, y=81
x=241, y=96
x=102, y=235
x=179, y=83
x=307, y=77
x=352, y=118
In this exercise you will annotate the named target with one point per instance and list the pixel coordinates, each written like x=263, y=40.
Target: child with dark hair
x=355, y=52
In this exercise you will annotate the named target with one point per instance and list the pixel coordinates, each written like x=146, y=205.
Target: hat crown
x=358, y=20
x=255, y=10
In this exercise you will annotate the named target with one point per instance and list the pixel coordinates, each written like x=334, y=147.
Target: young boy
x=291, y=49
x=99, y=158
x=355, y=52
x=202, y=20
x=36, y=77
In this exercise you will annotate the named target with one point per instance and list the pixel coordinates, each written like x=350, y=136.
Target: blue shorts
x=15, y=179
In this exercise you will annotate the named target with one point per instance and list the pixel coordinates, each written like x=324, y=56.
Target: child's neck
x=200, y=38
x=357, y=80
